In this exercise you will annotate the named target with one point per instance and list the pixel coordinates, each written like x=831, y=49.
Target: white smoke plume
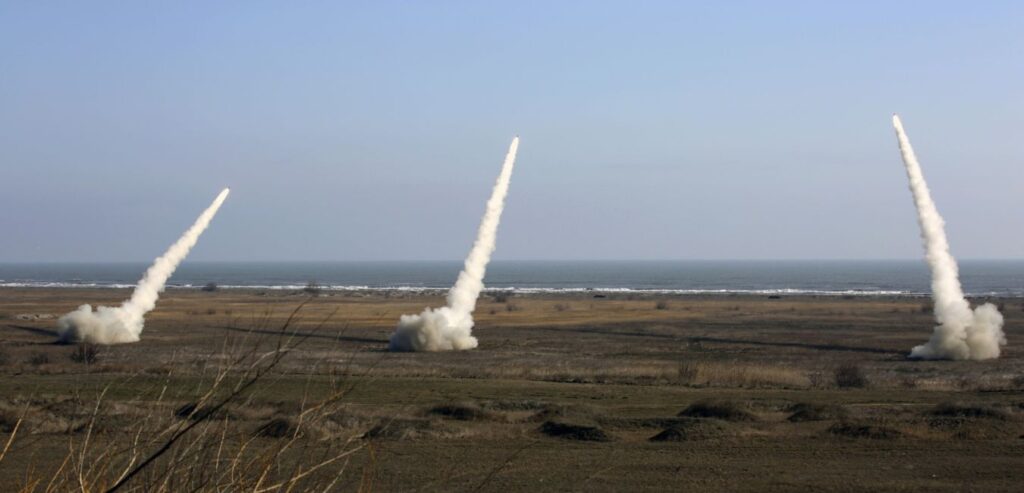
x=450, y=327
x=115, y=325
x=961, y=333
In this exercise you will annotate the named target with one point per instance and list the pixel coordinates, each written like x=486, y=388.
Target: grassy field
x=569, y=392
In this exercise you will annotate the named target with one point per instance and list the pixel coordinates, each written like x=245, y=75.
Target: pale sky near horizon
x=374, y=130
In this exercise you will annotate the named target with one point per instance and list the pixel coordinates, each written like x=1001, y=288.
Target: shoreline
x=598, y=292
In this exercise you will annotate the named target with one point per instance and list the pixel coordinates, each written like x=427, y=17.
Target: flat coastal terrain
x=266, y=390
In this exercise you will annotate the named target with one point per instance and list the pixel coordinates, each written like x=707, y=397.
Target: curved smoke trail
x=961, y=333
x=114, y=325
x=450, y=327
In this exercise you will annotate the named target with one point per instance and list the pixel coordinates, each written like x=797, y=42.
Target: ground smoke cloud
x=450, y=327
x=115, y=325
x=961, y=333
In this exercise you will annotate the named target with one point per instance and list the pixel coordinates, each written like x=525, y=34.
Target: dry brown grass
x=163, y=447
x=850, y=376
x=735, y=374
x=611, y=363
x=574, y=371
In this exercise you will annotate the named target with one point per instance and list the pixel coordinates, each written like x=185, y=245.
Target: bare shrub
x=689, y=372
x=951, y=410
x=85, y=353
x=136, y=446
x=820, y=379
x=38, y=358
x=501, y=297
x=661, y=305
x=512, y=307
x=850, y=376
x=210, y=287
x=561, y=307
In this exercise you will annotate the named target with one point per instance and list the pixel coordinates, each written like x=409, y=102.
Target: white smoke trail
x=115, y=325
x=961, y=333
x=450, y=327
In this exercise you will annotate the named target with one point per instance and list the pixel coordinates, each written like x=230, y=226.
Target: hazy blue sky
x=374, y=130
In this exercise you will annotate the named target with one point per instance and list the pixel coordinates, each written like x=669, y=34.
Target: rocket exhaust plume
x=961, y=333
x=450, y=327
x=115, y=325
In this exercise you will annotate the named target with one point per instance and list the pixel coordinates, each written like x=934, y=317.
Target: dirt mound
x=804, y=411
x=690, y=430
x=461, y=412
x=574, y=432
x=8, y=420
x=724, y=410
x=192, y=411
x=971, y=422
x=641, y=423
x=277, y=428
